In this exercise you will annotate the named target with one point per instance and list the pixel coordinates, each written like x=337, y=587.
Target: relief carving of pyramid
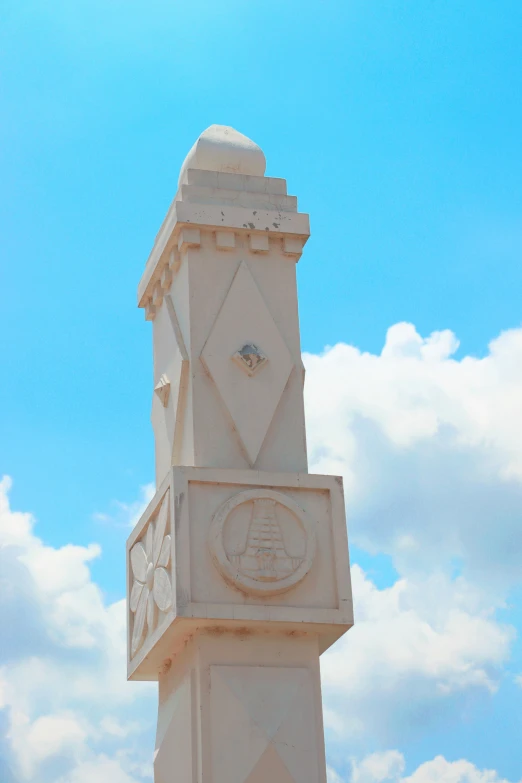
x=251, y=398
x=265, y=556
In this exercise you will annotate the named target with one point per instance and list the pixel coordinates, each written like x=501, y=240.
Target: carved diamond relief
x=262, y=542
x=270, y=731
x=250, y=358
x=171, y=369
x=250, y=397
x=162, y=389
x=174, y=741
x=151, y=588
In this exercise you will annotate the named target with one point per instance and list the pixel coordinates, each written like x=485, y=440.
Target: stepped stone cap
x=221, y=148
x=223, y=192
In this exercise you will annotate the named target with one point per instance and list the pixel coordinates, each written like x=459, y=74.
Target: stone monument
x=238, y=572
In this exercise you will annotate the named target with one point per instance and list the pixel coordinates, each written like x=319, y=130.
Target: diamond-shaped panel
x=171, y=370
x=251, y=398
x=265, y=735
x=270, y=767
x=174, y=740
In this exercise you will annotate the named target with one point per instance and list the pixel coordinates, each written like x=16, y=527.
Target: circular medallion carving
x=262, y=542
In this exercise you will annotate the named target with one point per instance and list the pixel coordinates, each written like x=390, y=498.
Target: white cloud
x=63, y=687
x=431, y=451
x=332, y=776
x=60, y=570
x=414, y=648
x=377, y=767
x=101, y=770
x=112, y=725
x=430, y=448
x=45, y=737
x=441, y=771
x=15, y=526
x=127, y=514
x=390, y=765
x=415, y=387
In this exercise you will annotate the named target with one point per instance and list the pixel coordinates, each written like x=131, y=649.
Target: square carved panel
x=230, y=548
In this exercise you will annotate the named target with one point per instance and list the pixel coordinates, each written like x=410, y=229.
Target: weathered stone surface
x=238, y=570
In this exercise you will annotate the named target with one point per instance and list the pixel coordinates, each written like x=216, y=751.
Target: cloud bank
x=430, y=447
x=64, y=699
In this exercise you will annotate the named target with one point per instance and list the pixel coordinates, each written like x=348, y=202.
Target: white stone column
x=238, y=572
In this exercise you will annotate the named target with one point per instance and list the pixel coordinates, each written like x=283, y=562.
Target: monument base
x=241, y=707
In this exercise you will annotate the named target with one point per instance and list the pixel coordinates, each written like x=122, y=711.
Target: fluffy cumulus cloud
x=64, y=698
x=126, y=515
x=417, y=649
x=389, y=766
x=431, y=450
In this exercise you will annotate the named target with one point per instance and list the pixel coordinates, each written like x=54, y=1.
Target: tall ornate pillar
x=238, y=572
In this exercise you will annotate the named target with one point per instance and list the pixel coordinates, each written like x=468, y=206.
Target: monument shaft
x=238, y=571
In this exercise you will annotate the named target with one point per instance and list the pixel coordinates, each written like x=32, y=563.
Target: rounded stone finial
x=221, y=148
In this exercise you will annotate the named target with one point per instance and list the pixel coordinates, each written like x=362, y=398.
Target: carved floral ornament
x=151, y=589
x=262, y=542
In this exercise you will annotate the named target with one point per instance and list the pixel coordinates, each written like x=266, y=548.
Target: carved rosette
x=262, y=542
x=151, y=589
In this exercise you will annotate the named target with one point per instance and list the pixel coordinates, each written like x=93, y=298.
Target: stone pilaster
x=238, y=572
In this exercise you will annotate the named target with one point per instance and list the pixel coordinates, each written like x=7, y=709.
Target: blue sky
x=398, y=126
